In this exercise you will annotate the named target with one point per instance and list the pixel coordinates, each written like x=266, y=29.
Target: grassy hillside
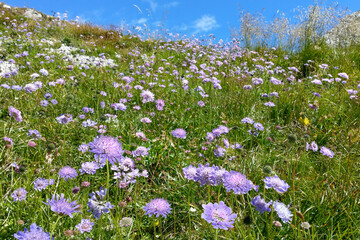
x=85, y=108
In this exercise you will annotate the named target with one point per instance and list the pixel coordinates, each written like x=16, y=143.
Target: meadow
x=107, y=135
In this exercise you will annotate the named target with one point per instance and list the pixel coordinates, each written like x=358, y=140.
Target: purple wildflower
x=85, y=225
x=62, y=206
x=247, y=120
x=179, y=133
x=89, y=168
x=13, y=112
x=67, y=172
x=34, y=133
x=238, y=183
x=106, y=148
x=260, y=204
x=313, y=146
x=9, y=140
x=140, y=151
x=97, y=204
x=146, y=120
x=327, y=152
x=35, y=232
x=64, y=118
x=190, y=172
x=147, y=96
x=259, y=126
x=83, y=148
x=275, y=182
x=42, y=183
x=282, y=211
x=219, y=152
x=157, y=207
x=160, y=104
x=19, y=194
x=219, y=215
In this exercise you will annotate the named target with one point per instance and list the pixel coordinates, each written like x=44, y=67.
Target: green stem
x=52, y=231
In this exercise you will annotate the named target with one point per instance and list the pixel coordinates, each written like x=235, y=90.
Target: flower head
x=179, y=133
x=62, y=206
x=190, y=172
x=106, y=148
x=35, y=232
x=126, y=222
x=238, y=183
x=282, y=211
x=219, y=215
x=68, y=172
x=327, y=152
x=147, y=96
x=260, y=204
x=97, y=204
x=275, y=182
x=85, y=225
x=158, y=206
x=19, y=195
x=13, y=112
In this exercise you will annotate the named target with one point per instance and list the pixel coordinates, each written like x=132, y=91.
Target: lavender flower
x=313, y=146
x=64, y=118
x=89, y=168
x=160, y=104
x=19, y=195
x=147, y=96
x=85, y=225
x=68, y=172
x=179, y=133
x=238, y=183
x=247, y=120
x=260, y=204
x=258, y=126
x=62, y=206
x=9, y=140
x=97, y=204
x=275, y=182
x=42, y=183
x=327, y=152
x=13, y=112
x=140, y=151
x=83, y=148
x=282, y=211
x=35, y=232
x=219, y=152
x=157, y=207
x=190, y=172
x=106, y=148
x=219, y=215
x=204, y=174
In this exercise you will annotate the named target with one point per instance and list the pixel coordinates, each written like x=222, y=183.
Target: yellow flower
x=304, y=121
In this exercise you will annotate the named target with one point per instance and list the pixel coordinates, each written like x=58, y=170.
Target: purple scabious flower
x=204, y=174
x=157, y=207
x=259, y=126
x=83, y=148
x=34, y=133
x=64, y=118
x=313, y=146
x=219, y=215
x=85, y=225
x=190, y=172
x=210, y=136
x=145, y=120
x=9, y=140
x=54, y=101
x=48, y=95
x=220, y=130
x=68, y=172
x=19, y=195
x=147, y=96
x=13, y=112
x=201, y=103
x=44, y=103
x=269, y=104
x=247, y=120
x=238, y=183
x=89, y=168
x=327, y=152
x=140, y=151
x=42, y=183
x=275, y=182
x=282, y=211
x=106, y=148
x=62, y=206
x=97, y=204
x=219, y=152
x=35, y=232
x=179, y=133
x=160, y=104
x=218, y=176
x=260, y=204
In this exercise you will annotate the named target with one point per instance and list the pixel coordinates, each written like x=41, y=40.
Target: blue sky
x=181, y=16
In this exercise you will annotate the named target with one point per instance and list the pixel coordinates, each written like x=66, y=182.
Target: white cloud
x=171, y=4
x=205, y=23
x=141, y=21
x=153, y=4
